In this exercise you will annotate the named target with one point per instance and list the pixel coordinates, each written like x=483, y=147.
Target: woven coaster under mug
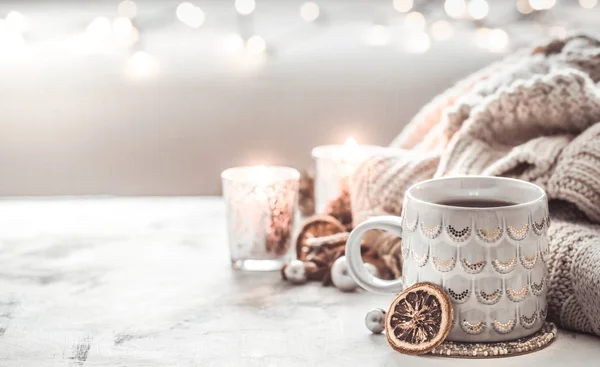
x=532, y=343
x=489, y=258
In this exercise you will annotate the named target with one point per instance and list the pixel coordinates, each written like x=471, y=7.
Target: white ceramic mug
x=490, y=260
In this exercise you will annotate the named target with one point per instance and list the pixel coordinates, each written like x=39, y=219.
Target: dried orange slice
x=317, y=226
x=419, y=319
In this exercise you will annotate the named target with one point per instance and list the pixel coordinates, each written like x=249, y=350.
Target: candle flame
x=350, y=149
x=260, y=169
x=261, y=174
x=350, y=143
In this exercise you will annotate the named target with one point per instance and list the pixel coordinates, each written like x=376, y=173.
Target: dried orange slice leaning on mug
x=419, y=319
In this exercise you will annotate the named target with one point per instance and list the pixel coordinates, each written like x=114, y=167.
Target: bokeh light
x=309, y=11
x=588, y=4
x=497, y=40
x=256, y=45
x=523, y=7
x=190, y=15
x=127, y=9
x=441, y=30
x=414, y=20
x=478, y=9
x=455, y=8
x=141, y=64
x=378, y=35
x=417, y=42
x=245, y=7
x=403, y=6
x=542, y=4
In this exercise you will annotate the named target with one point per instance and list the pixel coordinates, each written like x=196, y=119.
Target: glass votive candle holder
x=261, y=203
x=334, y=165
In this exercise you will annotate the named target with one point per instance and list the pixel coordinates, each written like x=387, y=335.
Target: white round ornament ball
x=371, y=268
x=295, y=272
x=375, y=320
x=340, y=276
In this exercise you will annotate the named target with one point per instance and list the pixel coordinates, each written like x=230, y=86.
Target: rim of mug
x=541, y=197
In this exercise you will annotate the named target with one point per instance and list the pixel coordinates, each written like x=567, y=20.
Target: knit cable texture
x=535, y=116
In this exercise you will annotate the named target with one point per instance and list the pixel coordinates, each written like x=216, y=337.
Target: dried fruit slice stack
x=315, y=227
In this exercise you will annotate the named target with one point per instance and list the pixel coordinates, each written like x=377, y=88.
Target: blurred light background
x=157, y=97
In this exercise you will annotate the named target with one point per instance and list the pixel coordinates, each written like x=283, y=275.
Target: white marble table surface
x=147, y=282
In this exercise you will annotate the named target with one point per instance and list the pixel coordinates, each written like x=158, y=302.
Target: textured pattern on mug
x=529, y=262
x=459, y=297
x=431, y=232
x=489, y=236
x=458, y=236
x=504, y=327
x=517, y=296
x=412, y=225
x=528, y=322
x=543, y=314
x=538, y=288
x=444, y=265
x=489, y=298
x=538, y=228
x=504, y=267
x=518, y=234
x=472, y=329
x=420, y=260
x=473, y=268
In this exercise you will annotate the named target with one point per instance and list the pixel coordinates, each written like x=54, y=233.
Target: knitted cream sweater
x=535, y=116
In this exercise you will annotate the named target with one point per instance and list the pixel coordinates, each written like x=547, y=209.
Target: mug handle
x=354, y=260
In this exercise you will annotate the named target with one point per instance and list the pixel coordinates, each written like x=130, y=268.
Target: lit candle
x=334, y=166
x=261, y=204
x=350, y=153
x=261, y=176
